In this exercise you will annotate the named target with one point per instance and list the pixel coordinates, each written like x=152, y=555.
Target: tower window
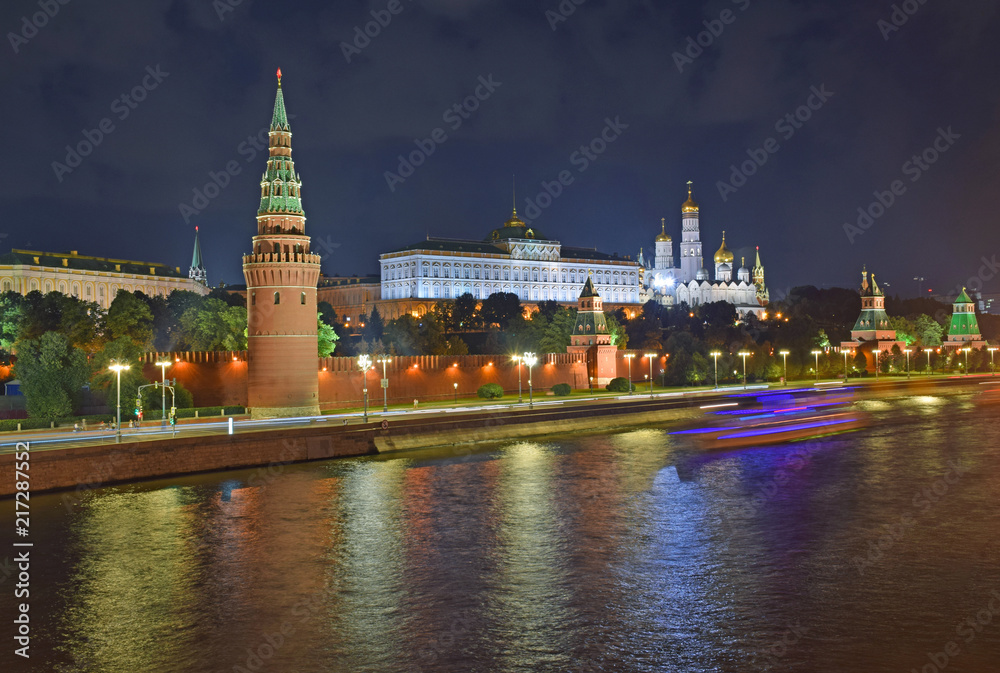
x=253, y=298
x=302, y=299
x=277, y=298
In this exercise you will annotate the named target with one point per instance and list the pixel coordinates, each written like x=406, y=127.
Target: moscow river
x=872, y=551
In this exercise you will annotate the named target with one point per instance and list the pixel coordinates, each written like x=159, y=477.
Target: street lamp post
x=650, y=356
x=530, y=360
x=993, y=372
x=966, y=351
x=784, y=357
x=384, y=360
x=364, y=362
x=907, y=351
x=456, y=392
x=844, y=351
x=118, y=369
x=744, y=354
x=591, y=385
x=715, y=356
x=517, y=359
x=928, y=351
x=628, y=357
x=163, y=371
x=816, y=354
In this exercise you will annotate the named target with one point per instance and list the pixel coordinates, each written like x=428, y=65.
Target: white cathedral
x=670, y=285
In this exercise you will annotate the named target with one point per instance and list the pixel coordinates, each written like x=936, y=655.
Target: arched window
x=253, y=298
x=277, y=298
x=302, y=299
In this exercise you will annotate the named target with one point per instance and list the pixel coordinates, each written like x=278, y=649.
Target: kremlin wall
x=220, y=378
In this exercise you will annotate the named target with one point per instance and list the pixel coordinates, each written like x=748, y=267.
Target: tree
x=403, y=335
x=928, y=330
x=11, y=313
x=500, y=308
x=465, y=313
x=230, y=298
x=905, y=330
x=619, y=335
x=52, y=372
x=77, y=320
x=374, y=327
x=215, y=326
x=326, y=337
x=557, y=333
x=718, y=314
x=129, y=316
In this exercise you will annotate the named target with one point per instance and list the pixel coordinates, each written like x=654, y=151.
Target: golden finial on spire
x=689, y=206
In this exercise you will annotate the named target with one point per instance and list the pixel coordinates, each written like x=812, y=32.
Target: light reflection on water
x=620, y=552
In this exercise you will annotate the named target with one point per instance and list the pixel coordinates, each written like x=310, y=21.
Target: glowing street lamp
x=517, y=359
x=163, y=371
x=784, y=357
x=118, y=369
x=531, y=361
x=364, y=363
x=966, y=351
x=715, y=355
x=907, y=351
x=816, y=353
x=744, y=355
x=844, y=351
x=650, y=356
x=384, y=360
x=628, y=357
x=993, y=372
x=456, y=392
x=928, y=351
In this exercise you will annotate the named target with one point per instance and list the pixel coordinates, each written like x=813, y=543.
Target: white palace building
x=515, y=258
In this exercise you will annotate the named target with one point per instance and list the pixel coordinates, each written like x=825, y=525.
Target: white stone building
x=690, y=282
x=515, y=258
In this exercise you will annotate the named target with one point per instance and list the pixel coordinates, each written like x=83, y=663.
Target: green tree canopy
x=215, y=326
x=500, y=308
x=326, y=337
x=52, y=373
x=129, y=316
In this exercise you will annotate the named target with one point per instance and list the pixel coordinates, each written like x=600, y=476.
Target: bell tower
x=281, y=275
x=691, y=257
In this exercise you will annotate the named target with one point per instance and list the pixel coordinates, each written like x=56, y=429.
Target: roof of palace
x=73, y=260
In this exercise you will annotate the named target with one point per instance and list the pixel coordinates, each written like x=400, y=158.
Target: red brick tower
x=281, y=275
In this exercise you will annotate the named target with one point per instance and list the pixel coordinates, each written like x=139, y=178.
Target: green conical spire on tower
x=280, y=185
x=197, y=271
x=279, y=120
x=196, y=255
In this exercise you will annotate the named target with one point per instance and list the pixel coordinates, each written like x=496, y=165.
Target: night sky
x=558, y=82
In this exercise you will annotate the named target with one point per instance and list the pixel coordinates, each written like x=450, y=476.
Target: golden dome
x=689, y=206
x=663, y=237
x=722, y=255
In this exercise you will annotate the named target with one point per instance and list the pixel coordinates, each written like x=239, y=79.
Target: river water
x=619, y=552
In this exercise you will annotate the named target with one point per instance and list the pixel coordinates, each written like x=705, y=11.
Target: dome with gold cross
x=723, y=255
x=663, y=236
x=689, y=206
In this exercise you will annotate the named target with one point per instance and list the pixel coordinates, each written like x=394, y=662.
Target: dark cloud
x=607, y=59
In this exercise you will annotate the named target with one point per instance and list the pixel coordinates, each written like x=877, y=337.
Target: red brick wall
x=218, y=379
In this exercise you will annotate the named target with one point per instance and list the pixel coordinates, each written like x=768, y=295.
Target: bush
x=490, y=391
x=561, y=389
x=619, y=385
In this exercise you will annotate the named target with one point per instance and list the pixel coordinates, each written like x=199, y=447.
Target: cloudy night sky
x=560, y=77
